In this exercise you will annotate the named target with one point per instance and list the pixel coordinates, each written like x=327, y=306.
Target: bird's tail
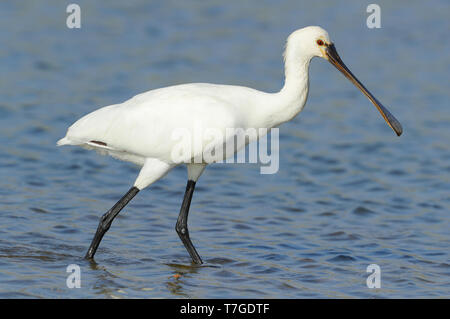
x=63, y=141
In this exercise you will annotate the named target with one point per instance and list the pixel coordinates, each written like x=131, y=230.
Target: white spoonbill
x=139, y=130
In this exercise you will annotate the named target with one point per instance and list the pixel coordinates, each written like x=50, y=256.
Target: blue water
x=348, y=193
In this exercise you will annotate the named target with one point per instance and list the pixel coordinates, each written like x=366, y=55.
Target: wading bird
x=139, y=129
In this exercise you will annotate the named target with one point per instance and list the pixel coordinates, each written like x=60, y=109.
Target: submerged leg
x=106, y=220
x=181, y=226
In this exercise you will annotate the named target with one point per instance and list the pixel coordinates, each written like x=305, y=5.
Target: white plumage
x=141, y=128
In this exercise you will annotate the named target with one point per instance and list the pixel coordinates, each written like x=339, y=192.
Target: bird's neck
x=291, y=99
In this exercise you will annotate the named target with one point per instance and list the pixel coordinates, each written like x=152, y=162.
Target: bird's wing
x=151, y=124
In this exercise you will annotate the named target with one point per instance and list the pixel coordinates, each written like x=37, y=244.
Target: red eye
x=319, y=42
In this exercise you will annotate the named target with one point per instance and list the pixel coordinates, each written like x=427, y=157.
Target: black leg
x=181, y=226
x=106, y=220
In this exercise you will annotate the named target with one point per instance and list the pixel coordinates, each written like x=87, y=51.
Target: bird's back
x=145, y=124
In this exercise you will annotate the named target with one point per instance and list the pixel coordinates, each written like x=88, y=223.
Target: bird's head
x=308, y=42
x=313, y=41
